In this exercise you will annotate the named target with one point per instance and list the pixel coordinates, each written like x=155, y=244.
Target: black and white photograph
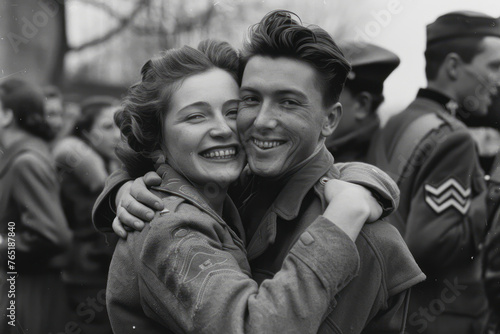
x=249, y=166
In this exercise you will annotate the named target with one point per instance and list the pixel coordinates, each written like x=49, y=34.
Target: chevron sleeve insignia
x=450, y=194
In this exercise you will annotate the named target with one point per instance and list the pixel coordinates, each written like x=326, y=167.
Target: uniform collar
x=449, y=104
x=289, y=200
x=174, y=183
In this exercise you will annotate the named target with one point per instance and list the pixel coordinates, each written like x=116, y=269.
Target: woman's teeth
x=220, y=153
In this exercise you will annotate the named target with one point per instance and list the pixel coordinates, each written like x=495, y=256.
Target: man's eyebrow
x=279, y=92
x=292, y=91
x=250, y=89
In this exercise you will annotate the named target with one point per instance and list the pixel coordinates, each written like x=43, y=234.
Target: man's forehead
x=490, y=49
x=278, y=74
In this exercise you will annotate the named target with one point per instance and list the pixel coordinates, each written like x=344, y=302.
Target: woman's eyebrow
x=199, y=104
x=236, y=101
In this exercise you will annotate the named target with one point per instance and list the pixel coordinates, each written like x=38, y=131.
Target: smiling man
x=433, y=158
x=292, y=76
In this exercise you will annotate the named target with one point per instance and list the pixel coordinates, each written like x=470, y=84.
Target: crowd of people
x=255, y=191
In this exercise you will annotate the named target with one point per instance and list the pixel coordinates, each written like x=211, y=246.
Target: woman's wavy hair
x=141, y=118
x=26, y=101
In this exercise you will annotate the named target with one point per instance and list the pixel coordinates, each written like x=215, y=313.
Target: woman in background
x=84, y=160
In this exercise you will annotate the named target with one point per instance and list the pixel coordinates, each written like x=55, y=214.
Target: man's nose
x=266, y=118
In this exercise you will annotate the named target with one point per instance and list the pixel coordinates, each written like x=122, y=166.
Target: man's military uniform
x=442, y=214
x=276, y=212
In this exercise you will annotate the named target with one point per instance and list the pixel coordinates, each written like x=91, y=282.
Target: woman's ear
x=6, y=117
x=332, y=119
x=364, y=101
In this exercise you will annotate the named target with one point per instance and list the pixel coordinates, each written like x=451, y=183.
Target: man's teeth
x=266, y=144
x=220, y=153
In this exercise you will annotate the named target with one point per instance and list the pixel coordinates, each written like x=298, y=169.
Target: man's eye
x=290, y=103
x=249, y=100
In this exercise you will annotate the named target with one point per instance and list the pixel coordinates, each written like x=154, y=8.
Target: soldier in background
x=360, y=99
x=433, y=158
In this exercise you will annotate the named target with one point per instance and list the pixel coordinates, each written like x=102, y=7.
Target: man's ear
x=332, y=119
x=363, y=106
x=451, y=65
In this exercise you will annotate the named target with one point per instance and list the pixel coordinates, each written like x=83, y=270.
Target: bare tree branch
x=124, y=22
x=200, y=19
x=103, y=6
x=182, y=25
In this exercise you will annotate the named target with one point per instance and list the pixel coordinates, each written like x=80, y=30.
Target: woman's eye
x=194, y=117
x=107, y=126
x=232, y=113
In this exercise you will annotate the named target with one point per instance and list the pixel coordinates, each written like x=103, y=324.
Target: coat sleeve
x=190, y=283
x=36, y=192
x=104, y=211
x=75, y=156
x=447, y=214
x=492, y=264
x=382, y=186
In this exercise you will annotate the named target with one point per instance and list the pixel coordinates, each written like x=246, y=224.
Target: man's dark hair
x=27, y=104
x=278, y=34
x=466, y=47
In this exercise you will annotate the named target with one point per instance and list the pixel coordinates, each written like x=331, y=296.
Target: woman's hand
x=350, y=206
x=136, y=204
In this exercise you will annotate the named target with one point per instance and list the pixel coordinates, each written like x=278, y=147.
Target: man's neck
x=443, y=89
x=292, y=170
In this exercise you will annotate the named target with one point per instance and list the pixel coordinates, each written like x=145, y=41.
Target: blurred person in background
x=61, y=114
x=485, y=129
x=360, y=99
x=84, y=160
x=29, y=198
x=54, y=109
x=434, y=160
